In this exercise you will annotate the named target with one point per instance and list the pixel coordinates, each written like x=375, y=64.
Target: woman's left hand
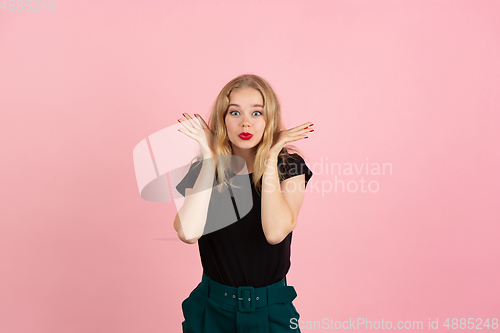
x=294, y=134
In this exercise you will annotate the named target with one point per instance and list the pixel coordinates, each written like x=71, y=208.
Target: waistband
x=247, y=298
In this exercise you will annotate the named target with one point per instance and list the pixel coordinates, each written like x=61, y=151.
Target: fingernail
x=311, y=124
x=306, y=127
x=306, y=137
x=311, y=131
x=178, y=120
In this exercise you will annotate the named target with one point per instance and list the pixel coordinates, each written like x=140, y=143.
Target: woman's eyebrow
x=254, y=105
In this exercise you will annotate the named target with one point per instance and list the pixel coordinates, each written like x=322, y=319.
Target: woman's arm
x=280, y=202
x=191, y=219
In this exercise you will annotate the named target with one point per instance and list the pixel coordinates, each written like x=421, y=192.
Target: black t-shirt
x=239, y=254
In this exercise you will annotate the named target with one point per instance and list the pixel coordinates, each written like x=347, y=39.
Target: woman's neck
x=246, y=154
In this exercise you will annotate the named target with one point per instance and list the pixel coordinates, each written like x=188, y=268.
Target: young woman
x=243, y=286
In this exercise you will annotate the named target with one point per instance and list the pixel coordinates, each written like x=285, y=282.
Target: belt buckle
x=246, y=299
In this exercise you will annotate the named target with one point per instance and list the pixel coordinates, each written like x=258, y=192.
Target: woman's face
x=244, y=115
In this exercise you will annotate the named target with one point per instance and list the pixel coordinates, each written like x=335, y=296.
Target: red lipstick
x=245, y=136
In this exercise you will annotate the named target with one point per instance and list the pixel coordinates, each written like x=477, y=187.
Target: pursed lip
x=245, y=135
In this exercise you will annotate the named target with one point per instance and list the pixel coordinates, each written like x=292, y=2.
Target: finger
x=182, y=130
x=185, y=124
x=191, y=120
x=187, y=121
x=298, y=136
x=191, y=135
x=301, y=131
x=303, y=126
x=201, y=120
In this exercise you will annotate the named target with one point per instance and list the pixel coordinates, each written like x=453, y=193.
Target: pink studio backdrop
x=409, y=84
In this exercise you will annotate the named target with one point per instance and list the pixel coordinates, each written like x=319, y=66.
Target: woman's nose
x=245, y=121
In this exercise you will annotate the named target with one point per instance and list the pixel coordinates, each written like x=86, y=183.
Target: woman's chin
x=245, y=146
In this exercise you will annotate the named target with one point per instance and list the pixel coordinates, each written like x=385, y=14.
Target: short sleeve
x=190, y=178
x=294, y=166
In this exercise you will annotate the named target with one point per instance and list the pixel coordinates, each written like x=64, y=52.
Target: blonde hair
x=221, y=146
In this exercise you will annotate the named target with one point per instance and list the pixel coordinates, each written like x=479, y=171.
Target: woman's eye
x=235, y=113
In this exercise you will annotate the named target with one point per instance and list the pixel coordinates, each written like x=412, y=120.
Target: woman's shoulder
x=291, y=158
x=293, y=164
x=190, y=177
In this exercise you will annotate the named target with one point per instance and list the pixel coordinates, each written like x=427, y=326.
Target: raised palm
x=202, y=134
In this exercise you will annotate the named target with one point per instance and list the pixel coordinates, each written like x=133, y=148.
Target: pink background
x=410, y=83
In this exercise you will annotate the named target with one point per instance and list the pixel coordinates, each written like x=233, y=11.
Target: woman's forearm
x=192, y=216
x=277, y=217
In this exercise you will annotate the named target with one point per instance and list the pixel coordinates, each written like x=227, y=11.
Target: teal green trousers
x=215, y=308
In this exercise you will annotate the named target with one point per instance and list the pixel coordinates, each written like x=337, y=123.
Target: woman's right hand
x=203, y=135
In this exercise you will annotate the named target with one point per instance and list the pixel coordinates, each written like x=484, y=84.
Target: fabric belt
x=248, y=298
